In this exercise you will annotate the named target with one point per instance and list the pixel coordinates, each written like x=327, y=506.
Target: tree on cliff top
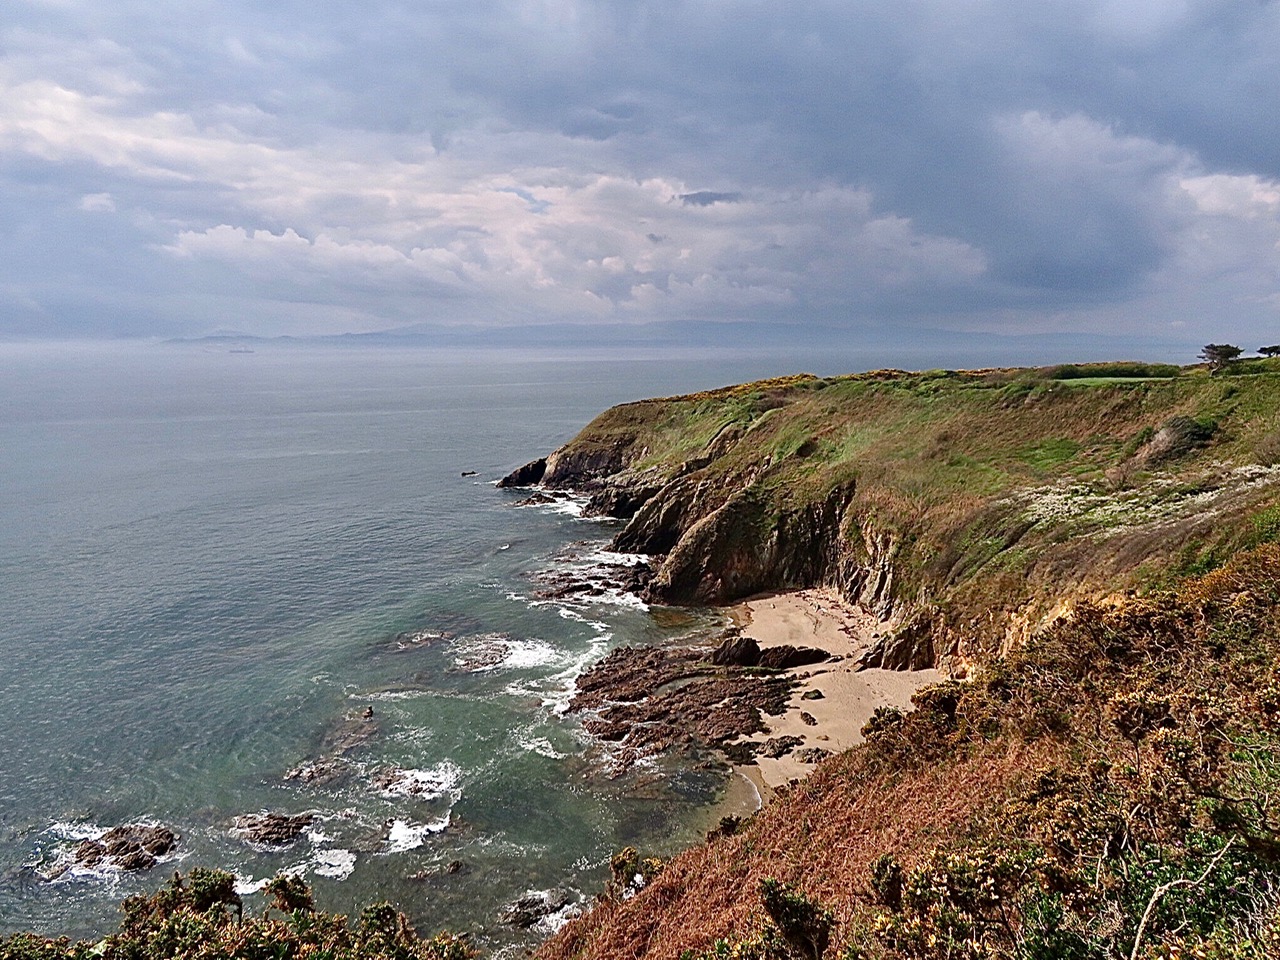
x=1219, y=355
x=1273, y=351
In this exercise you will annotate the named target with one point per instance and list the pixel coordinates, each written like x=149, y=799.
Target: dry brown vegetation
x=1110, y=790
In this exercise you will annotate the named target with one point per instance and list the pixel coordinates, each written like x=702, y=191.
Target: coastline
x=833, y=721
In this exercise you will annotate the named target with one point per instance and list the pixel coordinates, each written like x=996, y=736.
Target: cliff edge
x=967, y=508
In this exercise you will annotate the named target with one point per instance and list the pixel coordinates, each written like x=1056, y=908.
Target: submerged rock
x=321, y=772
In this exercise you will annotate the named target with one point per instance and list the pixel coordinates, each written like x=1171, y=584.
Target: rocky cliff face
x=964, y=510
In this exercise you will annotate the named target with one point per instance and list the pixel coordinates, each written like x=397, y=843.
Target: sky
x=883, y=168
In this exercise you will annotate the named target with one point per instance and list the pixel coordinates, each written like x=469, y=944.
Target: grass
x=933, y=455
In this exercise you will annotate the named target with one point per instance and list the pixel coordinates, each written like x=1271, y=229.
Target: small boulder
x=776, y=747
x=786, y=656
x=737, y=652
x=808, y=719
x=812, y=695
x=812, y=754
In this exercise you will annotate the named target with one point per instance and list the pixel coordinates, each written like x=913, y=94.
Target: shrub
x=191, y=919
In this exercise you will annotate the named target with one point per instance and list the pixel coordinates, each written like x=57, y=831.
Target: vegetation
x=1219, y=355
x=1095, y=549
x=995, y=495
x=1108, y=791
x=202, y=916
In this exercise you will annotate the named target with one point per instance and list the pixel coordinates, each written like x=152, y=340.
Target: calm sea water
x=209, y=559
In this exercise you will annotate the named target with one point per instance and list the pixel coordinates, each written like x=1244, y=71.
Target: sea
x=215, y=560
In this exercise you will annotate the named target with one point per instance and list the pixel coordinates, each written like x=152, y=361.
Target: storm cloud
x=319, y=168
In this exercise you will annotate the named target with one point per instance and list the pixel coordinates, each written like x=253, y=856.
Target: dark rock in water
x=535, y=500
x=532, y=907
x=808, y=719
x=531, y=473
x=350, y=734
x=321, y=772
x=272, y=829
x=786, y=656
x=812, y=754
x=737, y=652
x=636, y=578
x=135, y=846
x=812, y=695
x=437, y=874
x=776, y=747
x=468, y=473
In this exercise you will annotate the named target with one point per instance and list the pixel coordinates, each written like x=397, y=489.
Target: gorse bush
x=202, y=918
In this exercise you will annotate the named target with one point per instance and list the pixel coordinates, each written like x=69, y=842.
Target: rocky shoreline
x=792, y=680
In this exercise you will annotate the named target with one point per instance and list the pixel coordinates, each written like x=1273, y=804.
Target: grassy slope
x=1000, y=490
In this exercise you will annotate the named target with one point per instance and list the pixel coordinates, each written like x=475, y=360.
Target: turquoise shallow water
x=208, y=559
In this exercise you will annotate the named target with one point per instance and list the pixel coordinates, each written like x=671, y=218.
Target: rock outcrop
x=134, y=846
x=526, y=476
x=272, y=829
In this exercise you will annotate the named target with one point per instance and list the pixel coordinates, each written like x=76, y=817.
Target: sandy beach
x=821, y=618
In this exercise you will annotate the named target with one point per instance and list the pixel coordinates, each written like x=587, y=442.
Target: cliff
x=968, y=508
x=1097, y=556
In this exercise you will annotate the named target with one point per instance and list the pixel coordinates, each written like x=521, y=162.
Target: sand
x=820, y=618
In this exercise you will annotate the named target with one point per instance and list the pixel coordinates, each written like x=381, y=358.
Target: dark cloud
x=997, y=164
x=707, y=198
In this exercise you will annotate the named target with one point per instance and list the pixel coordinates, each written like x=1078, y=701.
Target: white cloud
x=98, y=203
x=1247, y=197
